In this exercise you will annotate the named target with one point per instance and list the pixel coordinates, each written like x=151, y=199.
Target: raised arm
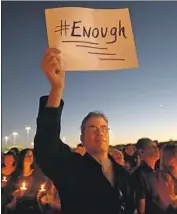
x=51, y=154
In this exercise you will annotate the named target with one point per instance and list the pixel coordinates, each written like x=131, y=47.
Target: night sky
x=139, y=102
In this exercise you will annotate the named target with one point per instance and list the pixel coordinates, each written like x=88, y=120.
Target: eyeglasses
x=94, y=129
x=154, y=148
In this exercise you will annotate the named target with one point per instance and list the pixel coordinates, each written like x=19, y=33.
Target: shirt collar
x=94, y=160
x=145, y=166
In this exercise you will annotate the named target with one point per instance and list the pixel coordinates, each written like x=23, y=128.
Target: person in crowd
x=149, y=154
x=162, y=185
x=93, y=183
x=117, y=155
x=8, y=167
x=157, y=165
x=21, y=192
x=15, y=151
x=80, y=149
x=50, y=201
x=130, y=156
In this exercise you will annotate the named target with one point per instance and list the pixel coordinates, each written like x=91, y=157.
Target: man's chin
x=102, y=150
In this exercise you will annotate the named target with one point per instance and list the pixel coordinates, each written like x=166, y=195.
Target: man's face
x=130, y=150
x=96, y=135
x=151, y=151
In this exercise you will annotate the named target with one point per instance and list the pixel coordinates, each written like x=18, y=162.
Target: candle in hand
x=4, y=179
x=42, y=189
x=23, y=186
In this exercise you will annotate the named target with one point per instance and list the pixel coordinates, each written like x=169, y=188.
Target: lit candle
x=4, y=179
x=23, y=186
x=42, y=189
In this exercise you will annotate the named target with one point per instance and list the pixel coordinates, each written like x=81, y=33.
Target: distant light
x=28, y=128
x=15, y=134
x=6, y=138
x=32, y=143
x=5, y=152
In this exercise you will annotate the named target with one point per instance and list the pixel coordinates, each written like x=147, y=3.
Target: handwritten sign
x=92, y=39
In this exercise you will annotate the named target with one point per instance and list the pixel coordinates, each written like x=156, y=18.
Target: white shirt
x=107, y=169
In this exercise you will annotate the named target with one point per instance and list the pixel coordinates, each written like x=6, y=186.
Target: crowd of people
x=24, y=187
x=150, y=168
x=94, y=178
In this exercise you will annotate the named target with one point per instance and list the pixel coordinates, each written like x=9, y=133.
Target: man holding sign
x=89, y=184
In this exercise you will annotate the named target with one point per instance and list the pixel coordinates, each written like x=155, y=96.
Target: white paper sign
x=92, y=39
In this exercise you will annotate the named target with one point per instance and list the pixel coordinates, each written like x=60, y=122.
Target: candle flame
x=4, y=179
x=42, y=188
x=23, y=187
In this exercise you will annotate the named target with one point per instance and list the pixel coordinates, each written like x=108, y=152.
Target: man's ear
x=140, y=152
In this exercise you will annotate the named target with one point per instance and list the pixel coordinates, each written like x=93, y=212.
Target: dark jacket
x=82, y=186
x=139, y=183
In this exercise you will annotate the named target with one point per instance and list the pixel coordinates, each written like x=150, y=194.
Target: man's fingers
x=55, y=67
x=52, y=59
x=50, y=50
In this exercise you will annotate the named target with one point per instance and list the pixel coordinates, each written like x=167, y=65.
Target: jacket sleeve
x=51, y=154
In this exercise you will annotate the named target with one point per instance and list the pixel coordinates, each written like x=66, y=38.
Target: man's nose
x=100, y=132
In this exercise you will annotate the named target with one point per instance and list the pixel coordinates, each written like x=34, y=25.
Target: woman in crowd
x=162, y=184
x=8, y=167
x=21, y=192
x=117, y=155
x=29, y=190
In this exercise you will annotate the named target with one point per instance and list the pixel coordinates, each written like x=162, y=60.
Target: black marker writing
x=78, y=30
x=101, y=53
x=93, y=43
x=111, y=59
x=95, y=32
x=62, y=28
x=87, y=46
x=120, y=31
x=74, y=27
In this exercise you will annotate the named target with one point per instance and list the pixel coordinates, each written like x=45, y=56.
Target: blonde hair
x=168, y=152
x=113, y=150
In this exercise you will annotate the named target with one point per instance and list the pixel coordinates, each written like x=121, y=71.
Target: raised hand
x=51, y=66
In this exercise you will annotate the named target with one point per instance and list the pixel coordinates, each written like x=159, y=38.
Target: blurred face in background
x=169, y=164
x=118, y=157
x=150, y=152
x=29, y=159
x=9, y=160
x=130, y=150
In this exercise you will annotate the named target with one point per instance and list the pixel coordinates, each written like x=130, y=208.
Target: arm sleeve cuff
x=49, y=113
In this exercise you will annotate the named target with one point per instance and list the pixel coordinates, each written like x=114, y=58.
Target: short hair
x=143, y=142
x=127, y=145
x=90, y=115
x=10, y=153
x=168, y=152
x=80, y=145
